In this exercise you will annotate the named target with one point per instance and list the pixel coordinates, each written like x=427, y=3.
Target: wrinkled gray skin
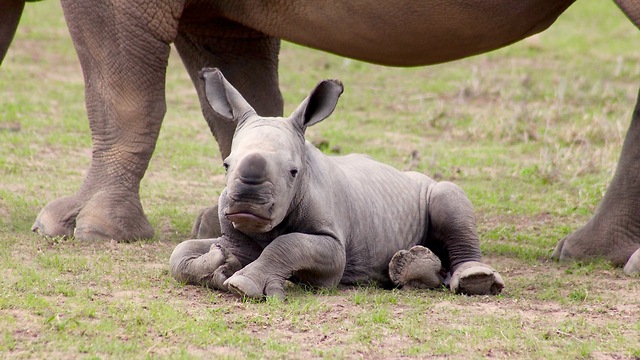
x=290, y=212
x=123, y=47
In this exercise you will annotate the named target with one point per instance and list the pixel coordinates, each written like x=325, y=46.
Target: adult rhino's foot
x=58, y=218
x=613, y=233
x=207, y=225
x=476, y=278
x=416, y=268
x=104, y=216
x=602, y=237
x=244, y=286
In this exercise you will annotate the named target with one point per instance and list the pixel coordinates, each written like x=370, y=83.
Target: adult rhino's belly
x=401, y=33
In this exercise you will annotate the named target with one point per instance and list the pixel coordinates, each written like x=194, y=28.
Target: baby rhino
x=289, y=212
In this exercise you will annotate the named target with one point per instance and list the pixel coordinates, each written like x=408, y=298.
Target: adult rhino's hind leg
x=613, y=233
x=124, y=68
x=453, y=237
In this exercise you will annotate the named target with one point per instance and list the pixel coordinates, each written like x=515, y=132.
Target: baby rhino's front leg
x=203, y=262
x=312, y=259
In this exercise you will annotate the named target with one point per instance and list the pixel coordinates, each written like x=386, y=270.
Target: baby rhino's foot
x=244, y=286
x=416, y=268
x=476, y=278
x=203, y=262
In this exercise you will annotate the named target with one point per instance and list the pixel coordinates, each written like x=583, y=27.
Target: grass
x=532, y=133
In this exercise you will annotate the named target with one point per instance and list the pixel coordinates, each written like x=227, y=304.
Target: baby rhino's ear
x=224, y=99
x=319, y=104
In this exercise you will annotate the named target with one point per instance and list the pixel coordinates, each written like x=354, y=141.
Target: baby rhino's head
x=267, y=163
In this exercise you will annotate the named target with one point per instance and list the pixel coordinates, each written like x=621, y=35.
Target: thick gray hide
x=291, y=212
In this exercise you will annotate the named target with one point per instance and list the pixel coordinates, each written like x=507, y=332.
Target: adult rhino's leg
x=10, y=13
x=453, y=236
x=123, y=49
x=207, y=224
x=613, y=232
x=249, y=61
x=631, y=8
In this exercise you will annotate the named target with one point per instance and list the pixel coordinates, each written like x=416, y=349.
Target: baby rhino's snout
x=250, y=183
x=252, y=170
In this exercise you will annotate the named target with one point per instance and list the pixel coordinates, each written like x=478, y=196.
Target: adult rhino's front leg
x=613, y=232
x=123, y=49
x=313, y=259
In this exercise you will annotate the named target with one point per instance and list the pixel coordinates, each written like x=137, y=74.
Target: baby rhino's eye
x=225, y=165
x=293, y=172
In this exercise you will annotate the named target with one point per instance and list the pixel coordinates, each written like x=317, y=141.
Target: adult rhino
x=123, y=47
x=290, y=212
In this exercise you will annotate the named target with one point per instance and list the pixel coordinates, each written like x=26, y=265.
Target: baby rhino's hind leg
x=476, y=278
x=416, y=268
x=453, y=236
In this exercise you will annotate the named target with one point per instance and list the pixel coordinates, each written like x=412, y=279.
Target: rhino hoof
x=633, y=264
x=243, y=287
x=476, y=278
x=416, y=268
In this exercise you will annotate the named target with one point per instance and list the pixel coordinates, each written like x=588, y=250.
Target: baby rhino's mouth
x=246, y=217
x=249, y=209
